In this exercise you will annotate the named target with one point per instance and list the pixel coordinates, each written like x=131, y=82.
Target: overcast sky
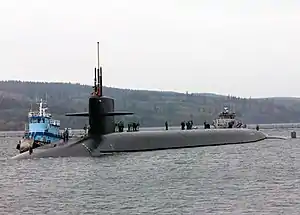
x=239, y=47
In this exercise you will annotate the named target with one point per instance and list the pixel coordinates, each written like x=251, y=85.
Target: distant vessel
x=41, y=129
x=226, y=119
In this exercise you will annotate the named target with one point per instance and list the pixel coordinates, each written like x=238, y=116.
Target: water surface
x=255, y=178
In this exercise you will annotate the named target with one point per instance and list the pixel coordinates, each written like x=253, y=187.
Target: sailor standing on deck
x=85, y=129
x=167, y=125
x=64, y=136
x=134, y=126
x=257, y=127
x=67, y=134
x=120, y=126
x=182, y=125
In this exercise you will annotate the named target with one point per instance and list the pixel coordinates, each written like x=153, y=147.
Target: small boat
x=42, y=129
x=226, y=119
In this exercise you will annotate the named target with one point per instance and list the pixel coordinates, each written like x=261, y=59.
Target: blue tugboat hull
x=42, y=129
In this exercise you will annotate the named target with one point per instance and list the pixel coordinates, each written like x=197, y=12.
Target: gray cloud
x=245, y=48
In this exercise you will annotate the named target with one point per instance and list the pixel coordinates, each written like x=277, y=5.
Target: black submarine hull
x=146, y=141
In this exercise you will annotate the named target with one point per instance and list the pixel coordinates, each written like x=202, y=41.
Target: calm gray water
x=256, y=178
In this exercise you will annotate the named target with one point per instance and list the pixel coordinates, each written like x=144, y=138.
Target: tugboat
x=41, y=130
x=226, y=119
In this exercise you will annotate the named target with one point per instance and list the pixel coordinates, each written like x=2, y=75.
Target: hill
x=151, y=108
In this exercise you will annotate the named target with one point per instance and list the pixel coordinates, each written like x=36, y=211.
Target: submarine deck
x=159, y=140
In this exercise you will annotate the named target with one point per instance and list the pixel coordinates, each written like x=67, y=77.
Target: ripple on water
x=256, y=178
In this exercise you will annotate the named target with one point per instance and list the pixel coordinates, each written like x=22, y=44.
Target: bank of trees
x=151, y=108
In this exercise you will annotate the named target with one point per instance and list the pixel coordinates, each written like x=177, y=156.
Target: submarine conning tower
x=101, y=108
x=101, y=123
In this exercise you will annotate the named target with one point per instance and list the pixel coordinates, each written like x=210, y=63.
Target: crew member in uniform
x=182, y=125
x=166, y=125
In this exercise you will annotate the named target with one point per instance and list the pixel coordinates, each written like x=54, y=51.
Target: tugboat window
x=33, y=121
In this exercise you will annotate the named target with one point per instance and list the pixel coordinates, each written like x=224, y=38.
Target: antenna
x=98, y=89
x=95, y=81
x=98, y=56
x=99, y=73
x=100, y=82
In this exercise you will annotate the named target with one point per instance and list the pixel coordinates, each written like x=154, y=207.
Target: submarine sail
x=101, y=108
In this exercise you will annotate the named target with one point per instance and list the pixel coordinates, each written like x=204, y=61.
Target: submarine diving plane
x=102, y=138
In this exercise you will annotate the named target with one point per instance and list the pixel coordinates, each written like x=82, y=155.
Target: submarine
x=102, y=138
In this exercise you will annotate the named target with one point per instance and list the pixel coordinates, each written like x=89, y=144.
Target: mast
x=95, y=82
x=41, y=107
x=99, y=71
x=98, y=76
x=100, y=81
x=98, y=58
x=99, y=87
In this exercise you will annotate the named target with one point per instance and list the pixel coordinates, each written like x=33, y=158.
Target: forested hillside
x=151, y=108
